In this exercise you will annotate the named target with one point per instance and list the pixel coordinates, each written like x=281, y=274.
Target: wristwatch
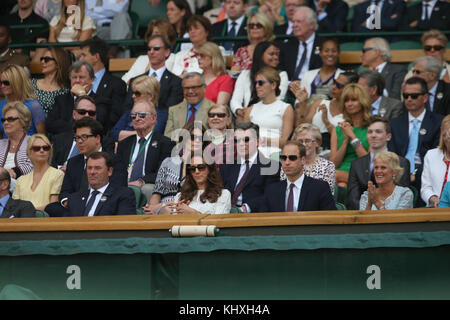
x=355, y=143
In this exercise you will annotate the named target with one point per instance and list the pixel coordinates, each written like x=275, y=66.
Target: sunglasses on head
x=435, y=48
x=255, y=25
x=156, y=48
x=83, y=112
x=5, y=83
x=413, y=96
x=291, y=157
x=47, y=59
x=200, y=167
x=141, y=115
x=9, y=119
x=217, y=114
x=245, y=139
x=38, y=148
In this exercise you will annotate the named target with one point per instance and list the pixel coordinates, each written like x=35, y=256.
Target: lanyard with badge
x=141, y=150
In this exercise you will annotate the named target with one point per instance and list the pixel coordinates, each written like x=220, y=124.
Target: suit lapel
x=303, y=194
x=103, y=199
x=9, y=208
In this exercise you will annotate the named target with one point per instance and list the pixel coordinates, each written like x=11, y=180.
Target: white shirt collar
x=433, y=89
x=298, y=183
x=380, y=67
x=238, y=22
x=420, y=117
x=158, y=72
x=251, y=160
x=101, y=190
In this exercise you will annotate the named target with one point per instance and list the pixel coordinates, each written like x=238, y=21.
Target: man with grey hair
x=376, y=55
x=301, y=53
x=429, y=68
x=194, y=107
x=386, y=107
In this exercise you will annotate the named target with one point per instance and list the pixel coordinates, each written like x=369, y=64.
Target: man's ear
x=388, y=137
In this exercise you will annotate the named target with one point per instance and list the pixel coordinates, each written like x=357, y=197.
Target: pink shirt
x=223, y=83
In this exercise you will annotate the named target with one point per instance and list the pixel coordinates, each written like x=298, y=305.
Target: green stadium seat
x=147, y=12
x=405, y=45
x=340, y=206
x=340, y=195
x=141, y=199
x=349, y=20
x=416, y=195
x=41, y=214
x=351, y=46
x=135, y=24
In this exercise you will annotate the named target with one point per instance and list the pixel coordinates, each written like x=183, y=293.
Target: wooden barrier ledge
x=158, y=222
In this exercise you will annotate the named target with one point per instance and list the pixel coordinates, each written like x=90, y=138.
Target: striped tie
x=240, y=185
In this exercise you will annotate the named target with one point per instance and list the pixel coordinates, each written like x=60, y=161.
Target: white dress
x=334, y=120
x=68, y=32
x=221, y=206
x=269, y=118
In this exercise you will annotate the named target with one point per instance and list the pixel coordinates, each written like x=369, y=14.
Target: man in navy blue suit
x=102, y=198
x=299, y=192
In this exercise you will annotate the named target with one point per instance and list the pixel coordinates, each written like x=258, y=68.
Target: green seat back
x=405, y=45
x=351, y=46
x=41, y=214
x=147, y=12
x=141, y=199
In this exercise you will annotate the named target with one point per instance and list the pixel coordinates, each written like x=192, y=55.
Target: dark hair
x=300, y=146
x=101, y=154
x=4, y=174
x=182, y=5
x=163, y=38
x=374, y=79
x=97, y=45
x=246, y=126
x=213, y=189
x=79, y=99
x=377, y=118
x=205, y=23
x=63, y=61
x=8, y=30
x=164, y=27
x=334, y=40
x=417, y=80
x=95, y=126
x=351, y=76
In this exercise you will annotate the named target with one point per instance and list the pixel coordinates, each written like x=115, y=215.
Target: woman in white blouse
x=436, y=167
x=202, y=191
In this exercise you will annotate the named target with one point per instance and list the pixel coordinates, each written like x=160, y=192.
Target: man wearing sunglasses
x=298, y=192
x=416, y=131
x=429, y=69
x=7, y=55
x=10, y=208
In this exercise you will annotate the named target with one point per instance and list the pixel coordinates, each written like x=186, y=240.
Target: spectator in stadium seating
x=325, y=114
x=63, y=27
x=55, y=62
x=251, y=173
x=387, y=195
x=47, y=9
x=155, y=27
x=219, y=85
x=111, y=89
x=301, y=53
x=16, y=86
x=361, y=170
x=416, y=131
x=194, y=107
x=266, y=54
x=275, y=118
x=331, y=15
x=11, y=208
x=259, y=29
x=102, y=197
x=436, y=16
x=199, y=29
x=62, y=149
x=13, y=150
x=287, y=28
x=7, y=55
x=435, y=168
x=444, y=202
x=59, y=119
x=429, y=69
x=273, y=9
x=172, y=172
x=178, y=13
x=144, y=152
x=298, y=192
x=315, y=166
x=384, y=106
x=391, y=15
x=349, y=138
x=376, y=55
x=42, y=185
x=235, y=24
x=88, y=136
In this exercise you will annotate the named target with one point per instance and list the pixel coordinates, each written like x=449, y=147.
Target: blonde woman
x=388, y=195
x=16, y=86
x=259, y=29
x=219, y=85
x=42, y=185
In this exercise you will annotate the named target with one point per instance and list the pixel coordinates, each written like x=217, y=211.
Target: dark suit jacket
x=360, y=175
x=220, y=29
x=18, y=209
x=111, y=92
x=289, y=53
x=314, y=196
x=60, y=118
x=160, y=147
x=256, y=183
x=440, y=17
x=337, y=11
x=119, y=200
x=391, y=16
x=62, y=143
x=390, y=108
x=393, y=76
x=442, y=98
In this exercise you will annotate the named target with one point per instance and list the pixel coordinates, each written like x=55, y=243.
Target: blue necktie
x=231, y=33
x=413, y=142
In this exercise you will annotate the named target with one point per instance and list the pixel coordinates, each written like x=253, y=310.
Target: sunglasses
x=255, y=25
x=141, y=115
x=364, y=50
x=47, y=59
x=137, y=93
x=435, y=48
x=192, y=88
x=416, y=71
x=5, y=83
x=83, y=137
x=291, y=157
x=245, y=139
x=195, y=137
x=9, y=119
x=217, y=114
x=38, y=148
x=156, y=48
x=413, y=96
x=261, y=82
x=200, y=167
x=82, y=112
x=306, y=141
x=339, y=85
